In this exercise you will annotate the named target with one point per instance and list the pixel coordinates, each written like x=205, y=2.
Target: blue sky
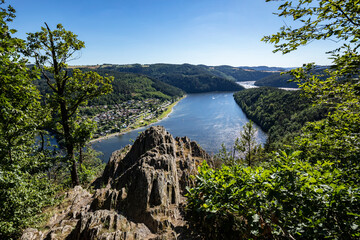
x=211, y=32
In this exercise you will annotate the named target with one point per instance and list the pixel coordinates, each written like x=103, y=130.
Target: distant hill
x=282, y=80
x=268, y=69
x=201, y=78
x=281, y=114
x=238, y=74
x=127, y=86
x=136, y=86
x=276, y=80
x=189, y=78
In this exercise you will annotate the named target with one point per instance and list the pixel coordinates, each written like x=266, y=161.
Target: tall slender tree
x=246, y=143
x=52, y=50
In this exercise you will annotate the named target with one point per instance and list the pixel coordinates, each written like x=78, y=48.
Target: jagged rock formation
x=142, y=193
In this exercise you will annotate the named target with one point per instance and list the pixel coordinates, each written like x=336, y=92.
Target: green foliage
x=91, y=166
x=24, y=189
x=277, y=80
x=19, y=106
x=311, y=191
x=128, y=86
x=246, y=143
x=189, y=78
x=278, y=112
x=286, y=198
x=51, y=51
x=22, y=197
x=336, y=137
x=238, y=74
x=321, y=20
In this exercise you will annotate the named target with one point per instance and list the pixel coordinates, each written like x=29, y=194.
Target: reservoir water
x=208, y=118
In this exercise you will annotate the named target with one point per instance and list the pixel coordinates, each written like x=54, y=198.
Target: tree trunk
x=74, y=174
x=80, y=156
x=73, y=170
x=69, y=144
x=249, y=149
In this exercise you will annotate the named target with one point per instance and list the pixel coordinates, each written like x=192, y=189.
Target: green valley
x=227, y=162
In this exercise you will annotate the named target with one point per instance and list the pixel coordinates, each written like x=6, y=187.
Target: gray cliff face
x=143, y=193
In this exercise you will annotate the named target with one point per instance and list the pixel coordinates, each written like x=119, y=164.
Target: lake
x=251, y=84
x=208, y=118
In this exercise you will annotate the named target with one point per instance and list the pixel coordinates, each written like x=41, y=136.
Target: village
x=127, y=115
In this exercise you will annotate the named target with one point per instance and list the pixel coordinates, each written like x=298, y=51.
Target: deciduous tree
x=308, y=194
x=337, y=137
x=24, y=189
x=52, y=50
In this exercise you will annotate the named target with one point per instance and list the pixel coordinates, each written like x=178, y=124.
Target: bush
x=22, y=197
x=286, y=198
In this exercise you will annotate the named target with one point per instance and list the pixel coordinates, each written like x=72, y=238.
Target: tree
x=225, y=157
x=70, y=89
x=24, y=189
x=337, y=136
x=336, y=139
x=335, y=20
x=19, y=103
x=308, y=194
x=246, y=144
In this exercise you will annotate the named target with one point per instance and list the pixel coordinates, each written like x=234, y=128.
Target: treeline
x=280, y=113
x=283, y=80
x=239, y=74
x=277, y=80
x=189, y=78
x=201, y=78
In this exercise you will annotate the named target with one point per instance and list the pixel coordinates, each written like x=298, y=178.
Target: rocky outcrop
x=142, y=194
x=65, y=216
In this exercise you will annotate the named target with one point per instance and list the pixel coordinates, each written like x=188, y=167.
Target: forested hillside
x=268, y=69
x=305, y=185
x=276, y=80
x=202, y=78
x=239, y=74
x=309, y=187
x=126, y=86
x=282, y=80
x=280, y=113
x=189, y=78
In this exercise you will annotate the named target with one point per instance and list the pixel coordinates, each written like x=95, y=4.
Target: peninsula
x=122, y=118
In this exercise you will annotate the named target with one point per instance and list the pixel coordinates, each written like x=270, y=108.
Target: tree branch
x=72, y=110
x=48, y=81
x=52, y=49
x=65, y=78
x=346, y=16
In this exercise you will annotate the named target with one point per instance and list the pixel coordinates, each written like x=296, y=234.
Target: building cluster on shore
x=125, y=115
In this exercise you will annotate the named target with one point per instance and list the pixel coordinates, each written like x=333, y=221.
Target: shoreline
x=166, y=113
